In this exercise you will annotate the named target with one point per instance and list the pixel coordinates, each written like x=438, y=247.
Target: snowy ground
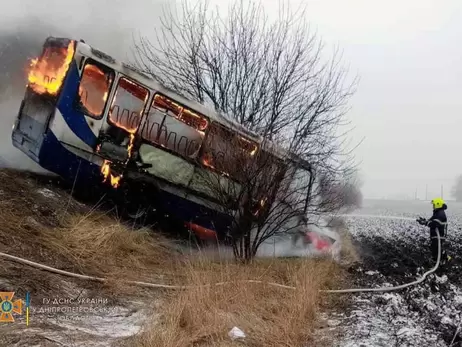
x=396, y=251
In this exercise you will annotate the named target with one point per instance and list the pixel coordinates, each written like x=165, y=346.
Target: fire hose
x=179, y=287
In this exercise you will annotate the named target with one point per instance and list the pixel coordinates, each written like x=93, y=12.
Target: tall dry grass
x=48, y=226
x=270, y=316
x=100, y=244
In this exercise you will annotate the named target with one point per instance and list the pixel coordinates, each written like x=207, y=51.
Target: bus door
x=45, y=78
x=117, y=134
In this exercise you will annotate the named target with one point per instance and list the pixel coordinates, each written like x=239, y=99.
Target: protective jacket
x=438, y=221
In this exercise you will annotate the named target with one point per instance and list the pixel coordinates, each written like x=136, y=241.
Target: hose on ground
x=395, y=288
x=272, y=284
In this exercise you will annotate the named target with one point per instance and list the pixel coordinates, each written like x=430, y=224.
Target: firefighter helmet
x=437, y=203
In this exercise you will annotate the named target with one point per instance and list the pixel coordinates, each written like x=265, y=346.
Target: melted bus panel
x=47, y=72
x=45, y=79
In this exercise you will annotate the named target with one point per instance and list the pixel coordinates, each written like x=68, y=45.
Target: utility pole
x=415, y=193
x=442, y=195
x=426, y=192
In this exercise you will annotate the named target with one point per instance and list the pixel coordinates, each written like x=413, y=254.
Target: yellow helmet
x=437, y=203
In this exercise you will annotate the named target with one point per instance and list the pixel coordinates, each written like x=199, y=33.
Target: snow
x=371, y=273
x=395, y=250
x=84, y=324
x=47, y=193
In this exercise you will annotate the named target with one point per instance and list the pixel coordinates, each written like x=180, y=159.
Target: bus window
x=172, y=126
x=94, y=88
x=127, y=105
x=270, y=172
x=228, y=152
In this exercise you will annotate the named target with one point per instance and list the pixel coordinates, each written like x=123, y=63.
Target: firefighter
x=437, y=223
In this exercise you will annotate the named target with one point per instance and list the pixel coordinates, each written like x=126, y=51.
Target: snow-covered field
x=396, y=251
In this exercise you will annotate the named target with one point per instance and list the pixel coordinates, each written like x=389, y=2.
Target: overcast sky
x=406, y=53
x=408, y=105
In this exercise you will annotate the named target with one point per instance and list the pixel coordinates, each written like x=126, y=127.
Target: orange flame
x=115, y=181
x=106, y=171
x=47, y=74
x=130, y=146
x=259, y=208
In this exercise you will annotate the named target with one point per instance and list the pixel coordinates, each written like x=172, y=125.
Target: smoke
x=108, y=25
x=17, y=45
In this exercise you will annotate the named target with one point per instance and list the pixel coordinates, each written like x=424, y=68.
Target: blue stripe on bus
x=56, y=158
x=74, y=119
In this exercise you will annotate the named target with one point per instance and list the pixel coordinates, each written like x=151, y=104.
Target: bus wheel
x=139, y=213
x=136, y=211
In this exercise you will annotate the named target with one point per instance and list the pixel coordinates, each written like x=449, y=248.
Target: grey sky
x=407, y=54
x=408, y=103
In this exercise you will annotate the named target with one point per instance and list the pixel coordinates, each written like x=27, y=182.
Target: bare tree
x=266, y=194
x=336, y=194
x=268, y=76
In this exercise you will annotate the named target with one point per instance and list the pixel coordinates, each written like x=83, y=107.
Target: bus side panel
x=38, y=117
x=56, y=158
x=74, y=120
x=185, y=208
x=68, y=148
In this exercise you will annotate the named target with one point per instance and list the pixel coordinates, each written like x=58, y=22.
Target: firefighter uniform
x=437, y=223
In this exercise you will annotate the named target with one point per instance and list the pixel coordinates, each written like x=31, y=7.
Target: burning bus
x=93, y=120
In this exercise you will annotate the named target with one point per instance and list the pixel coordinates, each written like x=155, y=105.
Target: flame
x=106, y=172
x=130, y=146
x=131, y=131
x=115, y=181
x=46, y=75
x=116, y=123
x=182, y=113
x=248, y=143
x=262, y=204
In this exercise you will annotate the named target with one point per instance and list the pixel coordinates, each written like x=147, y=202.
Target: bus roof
x=152, y=83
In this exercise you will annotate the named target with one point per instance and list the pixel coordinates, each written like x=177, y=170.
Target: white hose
x=402, y=286
x=167, y=286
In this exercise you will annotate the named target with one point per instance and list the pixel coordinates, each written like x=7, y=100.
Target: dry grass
x=202, y=316
x=102, y=245
x=59, y=232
